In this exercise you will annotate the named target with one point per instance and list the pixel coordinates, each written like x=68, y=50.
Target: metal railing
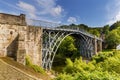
x=41, y=23
x=72, y=29
x=56, y=26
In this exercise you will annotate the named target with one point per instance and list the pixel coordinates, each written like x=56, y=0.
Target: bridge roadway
x=74, y=30
x=87, y=44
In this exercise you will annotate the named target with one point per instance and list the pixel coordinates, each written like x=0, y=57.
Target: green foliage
x=113, y=38
x=64, y=76
x=95, y=75
x=67, y=48
x=112, y=63
x=38, y=68
x=28, y=61
x=83, y=26
x=35, y=67
x=69, y=66
x=107, y=32
x=115, y=25
x=95, y=32
x=102, y=56
x=77, y=66
x=104, y=66
x=106, y=29
x=69, y=62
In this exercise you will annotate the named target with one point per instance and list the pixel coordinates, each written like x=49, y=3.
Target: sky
x=94, y=13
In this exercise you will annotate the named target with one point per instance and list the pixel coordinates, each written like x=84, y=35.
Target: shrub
x=64, y=76
x=28, y=61
x=69, y=66
x=102, y=56
x=38, y=68
x=35, y=67
x=104, y=66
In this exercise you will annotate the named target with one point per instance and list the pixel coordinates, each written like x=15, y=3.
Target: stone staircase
x=7, y=36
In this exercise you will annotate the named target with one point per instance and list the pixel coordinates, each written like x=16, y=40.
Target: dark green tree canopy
x=113, y=38
x=67, y=47
x=115, y=25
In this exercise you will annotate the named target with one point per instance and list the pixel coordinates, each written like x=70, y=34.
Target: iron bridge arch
x=52, y=38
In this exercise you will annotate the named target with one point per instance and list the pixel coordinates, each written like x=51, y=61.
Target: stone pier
x=18, y=40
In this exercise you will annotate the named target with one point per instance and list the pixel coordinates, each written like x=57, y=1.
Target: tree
x=107, y=69
x=115, y=25
x=67, y=47
x=83, y=26
x=106, y=29
x=95, y=32
x=72, y=24
x=113, y=38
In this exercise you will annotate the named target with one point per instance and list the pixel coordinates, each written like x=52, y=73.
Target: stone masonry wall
x=20, y=42
x=33, y=44
x=11, y=49
x=27, y=42
x=12, y=19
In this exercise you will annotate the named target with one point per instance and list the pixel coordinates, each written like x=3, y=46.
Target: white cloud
x=56, y=11
x=72, y=20
x=115, y=18
x=28, y=8
x=46, y=10
x=50, y=7
x=113, y=9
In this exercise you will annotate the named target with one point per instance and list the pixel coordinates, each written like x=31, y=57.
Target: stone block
x=12, y=19
x=28, y=42
x=21, y=56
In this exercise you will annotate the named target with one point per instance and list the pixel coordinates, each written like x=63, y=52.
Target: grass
x=26, y=69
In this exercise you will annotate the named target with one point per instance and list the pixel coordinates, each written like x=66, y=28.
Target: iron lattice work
x=52, y=38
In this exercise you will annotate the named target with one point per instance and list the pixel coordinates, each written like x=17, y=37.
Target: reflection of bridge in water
x=87, y=44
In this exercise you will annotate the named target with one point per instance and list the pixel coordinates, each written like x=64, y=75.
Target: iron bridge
x=87, y=44
x=52, y=36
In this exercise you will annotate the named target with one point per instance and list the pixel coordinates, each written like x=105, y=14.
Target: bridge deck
x=74, y=31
